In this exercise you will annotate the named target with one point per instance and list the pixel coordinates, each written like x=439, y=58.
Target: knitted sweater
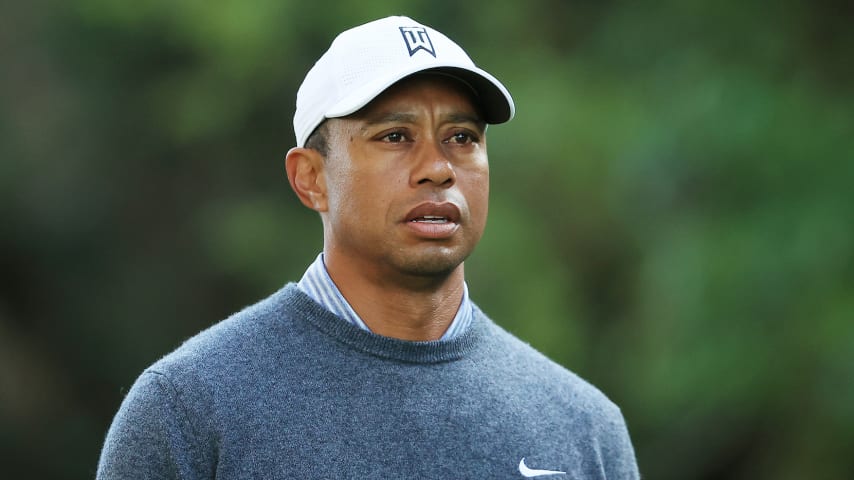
x=285, y=389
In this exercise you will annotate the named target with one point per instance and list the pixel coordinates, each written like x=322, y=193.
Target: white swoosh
x=532, y=472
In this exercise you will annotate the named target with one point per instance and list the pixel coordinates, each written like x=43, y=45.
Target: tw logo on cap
x=416, y=38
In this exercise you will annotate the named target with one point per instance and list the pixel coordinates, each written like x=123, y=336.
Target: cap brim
x=494, y=100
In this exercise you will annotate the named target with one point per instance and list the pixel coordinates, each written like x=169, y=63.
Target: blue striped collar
x=317, y=284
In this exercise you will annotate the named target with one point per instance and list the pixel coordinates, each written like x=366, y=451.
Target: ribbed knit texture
x=284, y=389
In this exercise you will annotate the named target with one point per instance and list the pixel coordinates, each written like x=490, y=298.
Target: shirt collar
x=317, y=284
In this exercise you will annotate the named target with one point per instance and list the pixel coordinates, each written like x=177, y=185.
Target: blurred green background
x=671, y=208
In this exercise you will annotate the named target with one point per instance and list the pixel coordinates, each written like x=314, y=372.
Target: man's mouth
x=430, y=212
x=433, y=220
x=430, y=219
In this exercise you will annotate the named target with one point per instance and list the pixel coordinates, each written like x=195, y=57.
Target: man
x=376, y=364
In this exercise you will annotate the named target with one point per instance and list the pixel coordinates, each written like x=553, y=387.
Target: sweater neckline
x=434, y=351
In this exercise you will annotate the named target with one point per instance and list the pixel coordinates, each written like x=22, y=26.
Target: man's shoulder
x=539, y=373
x=237, y=340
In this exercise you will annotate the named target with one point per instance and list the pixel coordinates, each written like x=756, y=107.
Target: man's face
x=408, y=181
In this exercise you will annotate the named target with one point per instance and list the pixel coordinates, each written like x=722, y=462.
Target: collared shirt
x=317, y=284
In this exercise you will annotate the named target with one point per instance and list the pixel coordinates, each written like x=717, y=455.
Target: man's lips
x=430, y=212
x=433, y=220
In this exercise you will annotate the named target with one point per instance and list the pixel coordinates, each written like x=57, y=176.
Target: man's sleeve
x=152, y=437
x=618, y=454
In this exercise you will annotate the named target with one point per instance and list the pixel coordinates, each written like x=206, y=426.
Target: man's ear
x=306, y=174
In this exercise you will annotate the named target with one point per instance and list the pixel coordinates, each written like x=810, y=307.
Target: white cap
x=364, y=61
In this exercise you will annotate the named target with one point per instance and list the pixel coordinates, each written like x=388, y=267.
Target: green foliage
x=669, y=211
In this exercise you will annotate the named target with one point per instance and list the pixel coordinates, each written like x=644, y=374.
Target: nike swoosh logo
x=533, y=472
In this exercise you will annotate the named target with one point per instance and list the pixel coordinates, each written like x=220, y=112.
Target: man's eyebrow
x=390, y=117
x=401, y=117
x=461, y=117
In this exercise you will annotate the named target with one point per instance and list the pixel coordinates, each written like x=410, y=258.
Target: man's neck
x=411, y=308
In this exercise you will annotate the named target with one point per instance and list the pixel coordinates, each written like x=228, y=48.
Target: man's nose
x=432, y=165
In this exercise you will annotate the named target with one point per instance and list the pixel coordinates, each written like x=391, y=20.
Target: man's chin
x=436, y=264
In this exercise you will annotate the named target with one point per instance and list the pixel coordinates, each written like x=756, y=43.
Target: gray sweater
x=285, y=389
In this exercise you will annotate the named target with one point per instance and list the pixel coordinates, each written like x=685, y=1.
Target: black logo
x=416, y=38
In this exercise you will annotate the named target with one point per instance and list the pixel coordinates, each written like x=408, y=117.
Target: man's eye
x=461, y=138
x=394, y=137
